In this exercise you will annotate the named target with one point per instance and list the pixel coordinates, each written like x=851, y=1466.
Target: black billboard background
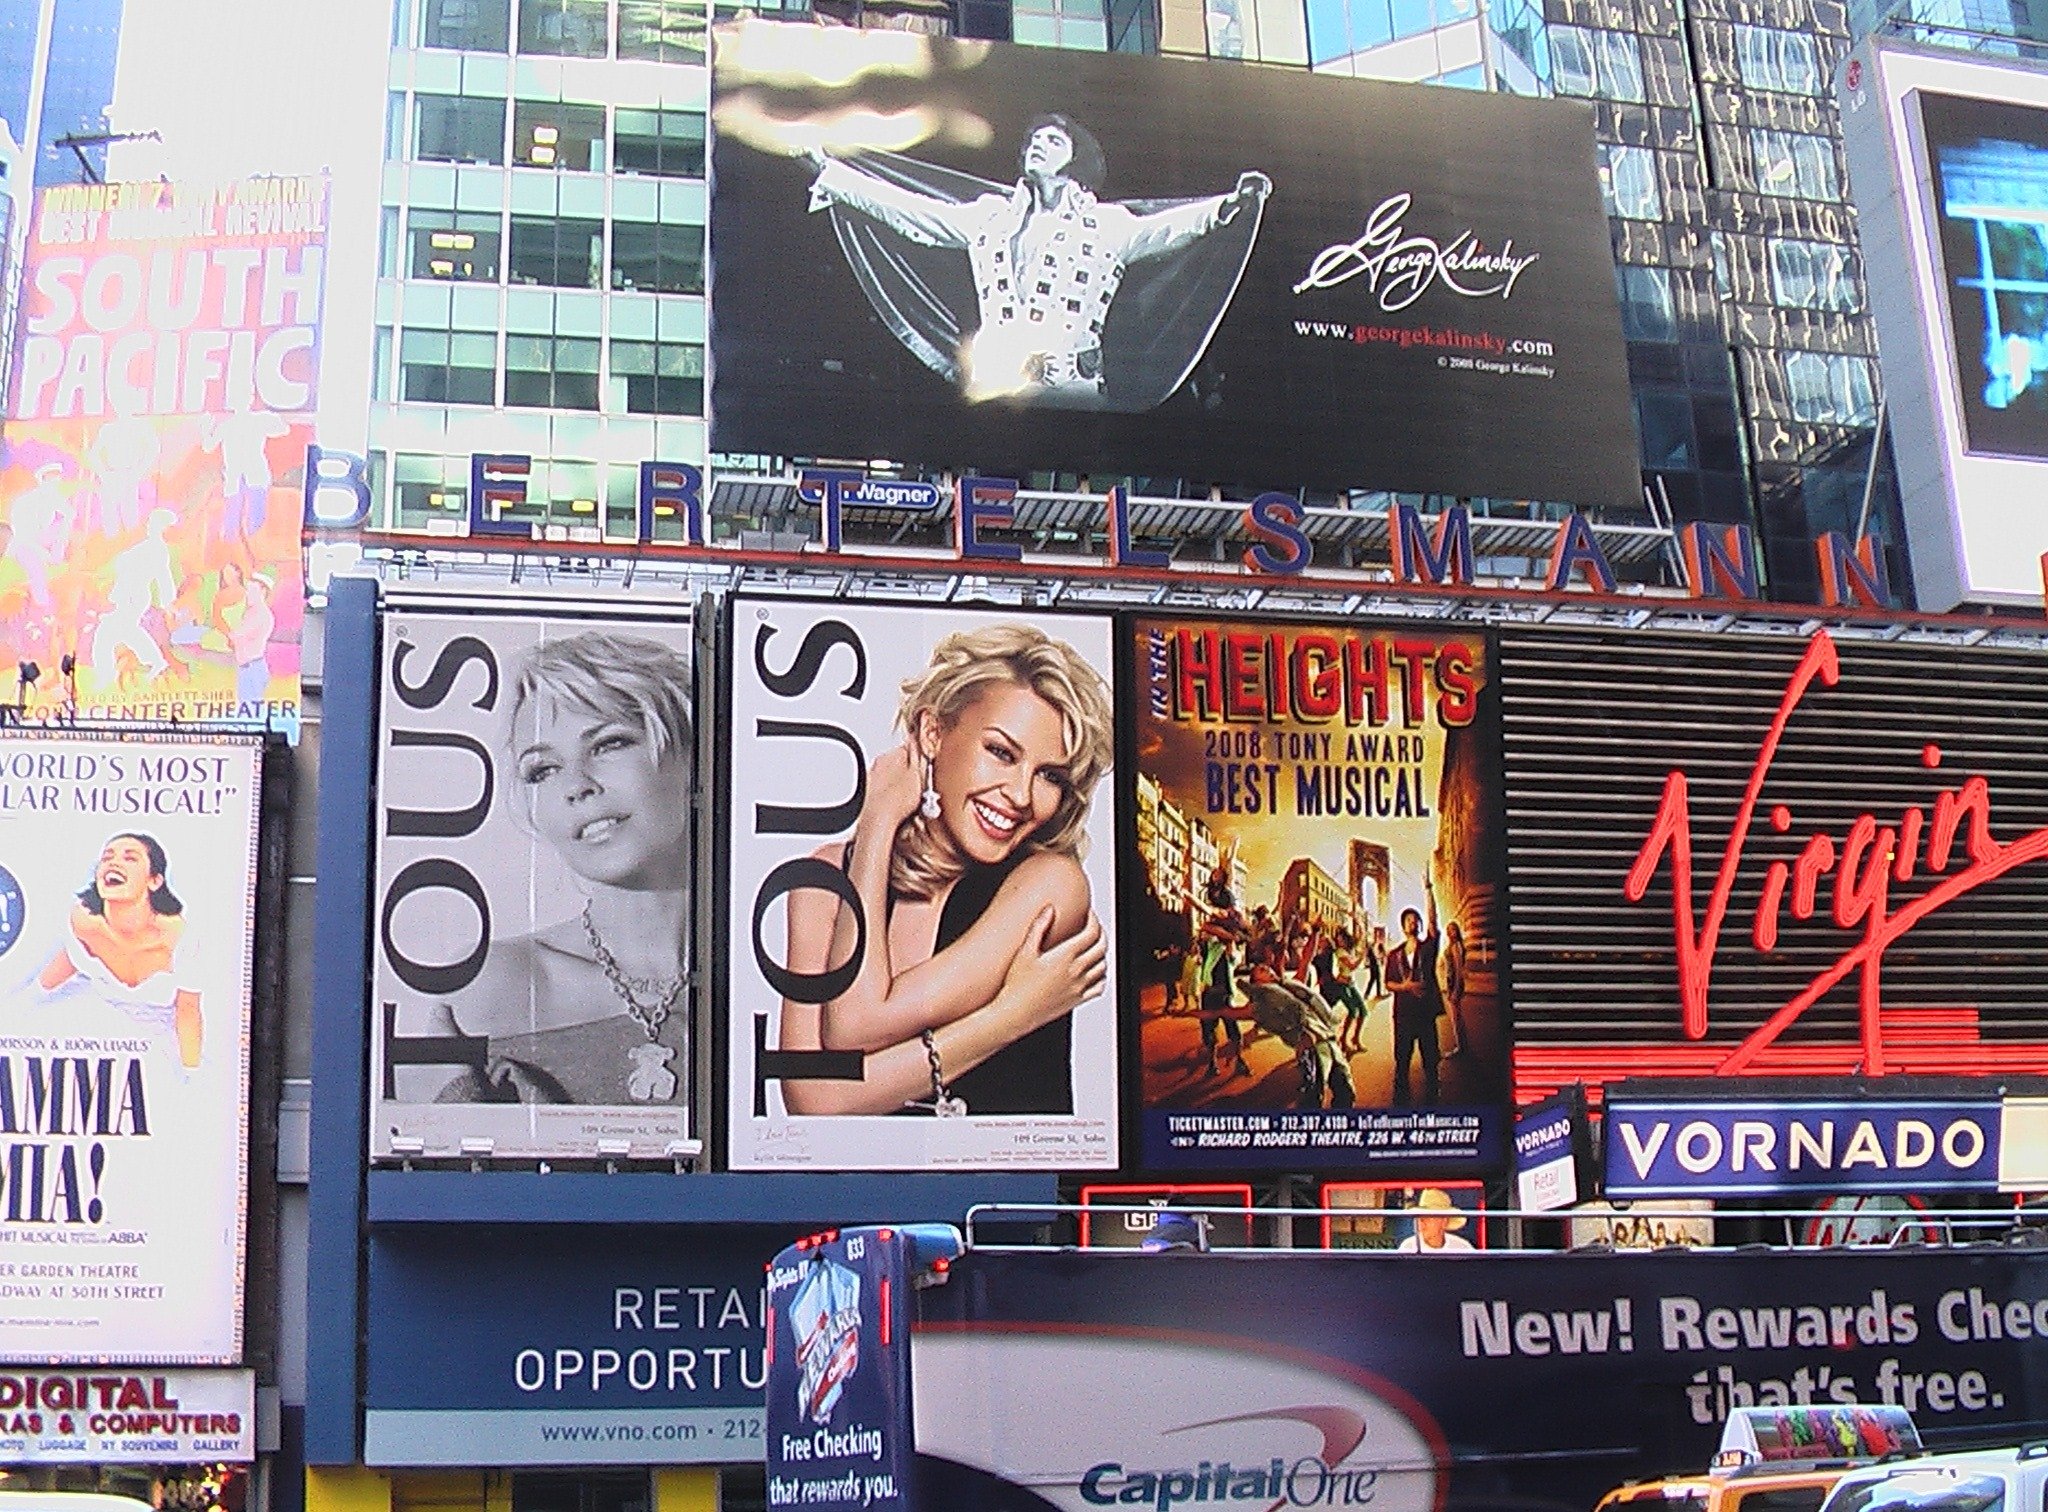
x=803, y=365
x=1593, y=723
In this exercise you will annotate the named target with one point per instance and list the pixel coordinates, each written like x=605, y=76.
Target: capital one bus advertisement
x=1538, y=1382
x=165, y=375
x=1312, y=921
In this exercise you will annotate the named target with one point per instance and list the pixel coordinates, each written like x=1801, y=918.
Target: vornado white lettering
x=1401, y=268
x=1803, y=1145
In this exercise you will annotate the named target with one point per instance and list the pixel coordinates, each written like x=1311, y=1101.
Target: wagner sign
x=962, y=252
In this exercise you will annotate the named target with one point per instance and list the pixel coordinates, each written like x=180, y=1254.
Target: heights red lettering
x=1313, y=676
x=1864, y=865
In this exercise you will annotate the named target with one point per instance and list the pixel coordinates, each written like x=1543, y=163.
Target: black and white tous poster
x=921, y=907
x=534, y=886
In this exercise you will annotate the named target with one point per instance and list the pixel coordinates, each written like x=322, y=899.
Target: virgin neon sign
x=1860, y=871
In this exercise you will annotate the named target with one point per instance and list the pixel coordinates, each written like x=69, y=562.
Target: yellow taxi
x=1777, y=1459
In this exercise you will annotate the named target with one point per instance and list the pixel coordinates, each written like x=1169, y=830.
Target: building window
x=427, y=489
x=664, y=378
x=666, y=143
x=657, y=259
x=1595, y=64
x=466, y=25
x=447, y=367
x=595, y=1491
x=1724, y=279
x=1766, y=58
x=1828, y=388
x=1628, y=182
x=380, y=365
x=1080, y=24
x=1795, y=165
x=454, y=245
x=664, y=31
x=560, y=254
x=1813, y=276
x=1645, y=303
x=453, y=129
x=1339, y=28
x=1664, y=421
x=548, y=134
x=564, y=28
x=550, y=372
x=1134, y=27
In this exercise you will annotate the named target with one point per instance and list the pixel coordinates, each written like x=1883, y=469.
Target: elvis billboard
x=534, y=885
x=127, y=907
x=921, y=916
x=956, y=253
x=1314, y=948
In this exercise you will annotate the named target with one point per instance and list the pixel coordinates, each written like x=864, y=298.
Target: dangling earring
x=928, y=805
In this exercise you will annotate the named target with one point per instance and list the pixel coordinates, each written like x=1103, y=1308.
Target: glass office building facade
x=543, y=265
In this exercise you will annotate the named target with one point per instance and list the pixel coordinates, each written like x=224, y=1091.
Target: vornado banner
x=1094, y=1379
x=127, y=905
x=163, y=395
x=534, y=885
x=557, y=1346
x=921, y=914
x=1312, y=909
x=1761, y=856
x=1678, y=1147
x=1018, y=257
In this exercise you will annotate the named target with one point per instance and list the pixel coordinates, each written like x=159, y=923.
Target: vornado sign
x=1671, y=1148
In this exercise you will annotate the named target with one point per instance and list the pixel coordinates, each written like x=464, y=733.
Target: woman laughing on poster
x=589, y=1010
x=981, y=938
x=125, y=939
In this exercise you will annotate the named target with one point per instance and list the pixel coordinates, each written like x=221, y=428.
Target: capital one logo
x=1179, y=1439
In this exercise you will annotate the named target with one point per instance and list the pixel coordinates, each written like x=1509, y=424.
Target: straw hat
x=1433, y=1200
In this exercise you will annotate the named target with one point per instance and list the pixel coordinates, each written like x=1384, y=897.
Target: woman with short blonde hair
x=967, y=849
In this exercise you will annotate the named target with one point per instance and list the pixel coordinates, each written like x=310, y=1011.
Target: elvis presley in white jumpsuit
x=1044, y=276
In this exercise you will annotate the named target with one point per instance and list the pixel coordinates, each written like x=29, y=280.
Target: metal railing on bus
x=2019, y=1226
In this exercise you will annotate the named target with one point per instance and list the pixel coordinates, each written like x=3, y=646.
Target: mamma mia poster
x=127, y=907
x=1313, y=917
x=534, y=886
x=921, y=912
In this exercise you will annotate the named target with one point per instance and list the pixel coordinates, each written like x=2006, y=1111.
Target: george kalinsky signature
x=1400, y=268
x=1864, y=865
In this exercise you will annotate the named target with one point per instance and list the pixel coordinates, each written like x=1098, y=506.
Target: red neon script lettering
x=1864, y=865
